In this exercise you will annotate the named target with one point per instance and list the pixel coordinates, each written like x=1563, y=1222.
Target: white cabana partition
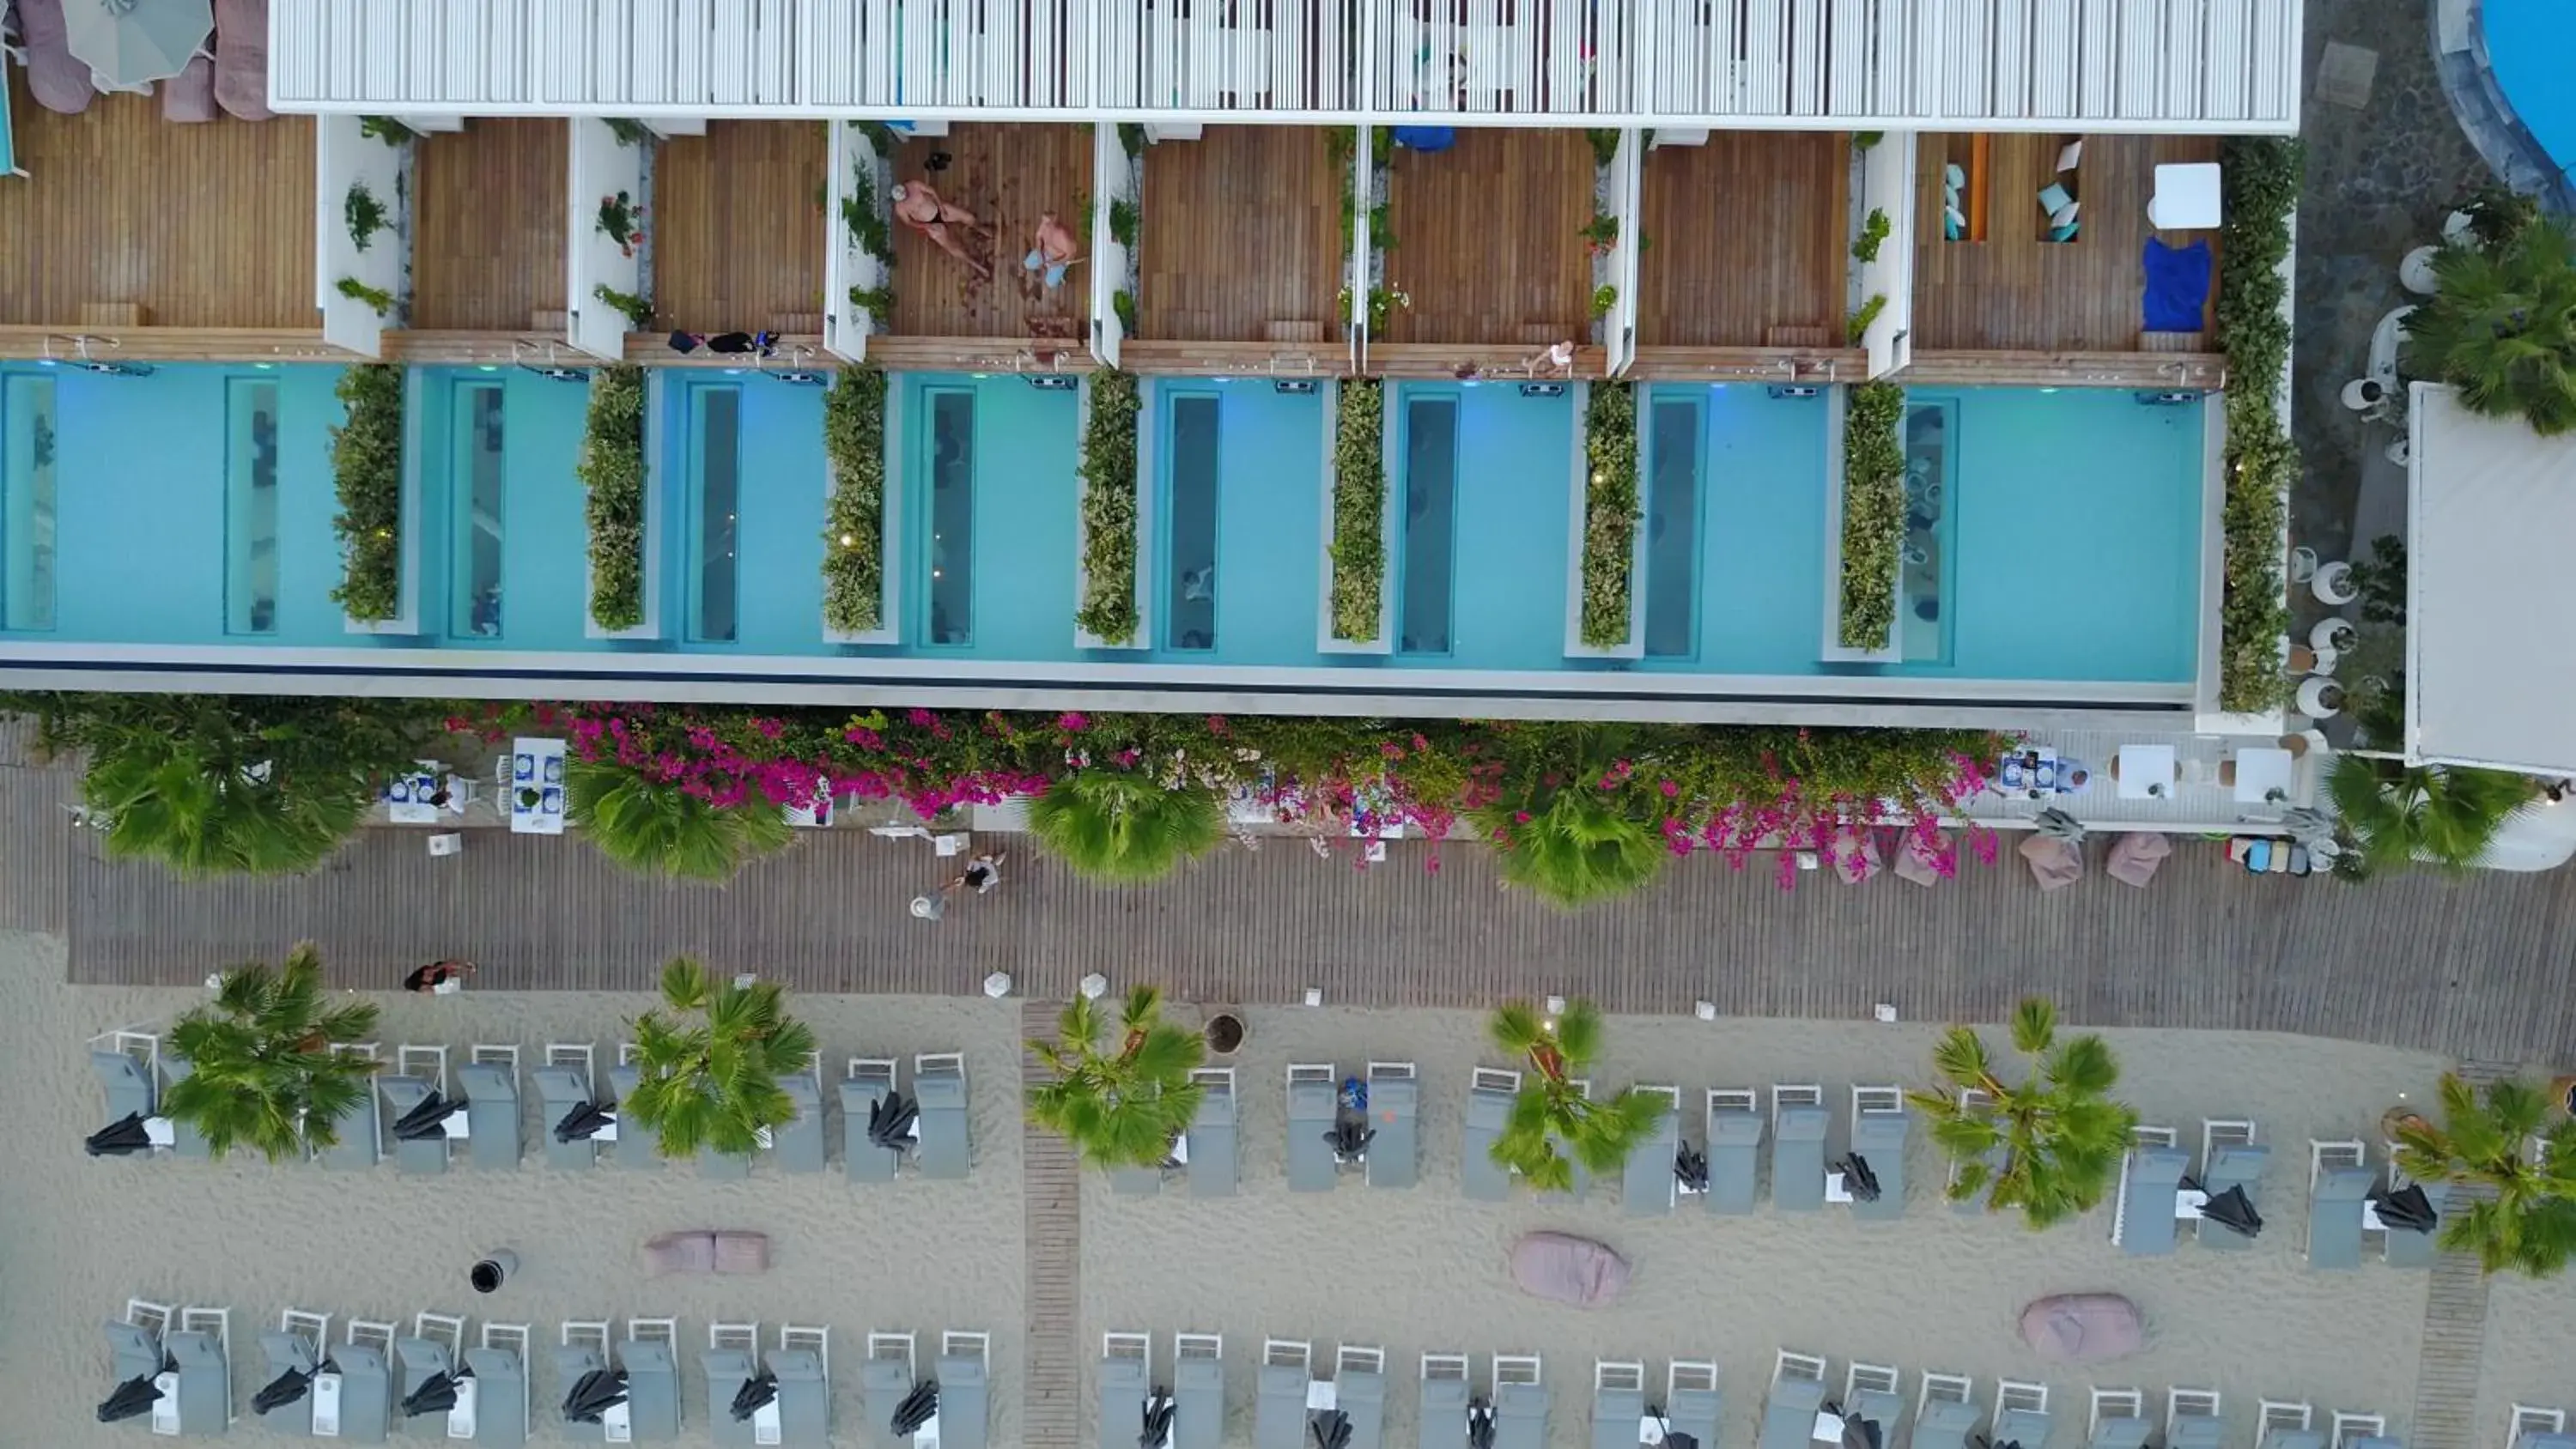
x=602, y=168
x=847, y=266
x=345, y=163
x=1887, y=188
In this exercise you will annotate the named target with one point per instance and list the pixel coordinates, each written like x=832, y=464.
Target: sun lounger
x=1878, y=1136
x=2024, y=1426
x=1313, y=1106
x=1279, y=1395
x=939, y=1082
x=1520, y=1410
x=1215, y=1151
x=2192, y=1421
x=1734, y=1151
x=2337, y=1187
x=1692, y=1404
x=1975, y=1203
x=871, y=1080
x=1198, y=1390
x=1789, y=1413
x=797, y=1145
x=359, y=1130
x=359, y=1397
x=416, y=1361
x=965, y=1371
x=134, y=1347
x=804, y=1393
x=500, y=1389
x=2405, y=1248
x=491, y=1114
x=1797, y=1155
x=185, y=1139
x=2142, y=1223
x=1131, y=1180
x=652, y=1388
x=2544, y=1441
x=1444, y=1401
x=1618, y=1405
x=727, y=1370
x=288, y=1351
x=1359, y=1394
x=574, y=1361
x=1647, y=1186
x=205, y=1375
x=885, y=1379
x=639, y=1148
x=1489, y=1106
x=1869, y=1394
x=127, y=1082
x=241, y=58
x=560, y=1089
x=1126, y=1367
x=2117, y=1431
x=1946, y=1424
x=416, y=1156
x=2231, y=1165
x=1395, y=1112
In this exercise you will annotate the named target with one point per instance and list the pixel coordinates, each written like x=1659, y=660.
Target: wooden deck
x=1243, y=238
x=737, y=228
x=1489, y=239
x=2017, y=292
x=1746, y=241
x=1005, y=174
x=197, y=226
x=488, y=227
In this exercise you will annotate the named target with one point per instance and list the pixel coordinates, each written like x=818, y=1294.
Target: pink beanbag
x=1567, y=1269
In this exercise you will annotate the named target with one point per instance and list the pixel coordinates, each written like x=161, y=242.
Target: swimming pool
x=2529, y=44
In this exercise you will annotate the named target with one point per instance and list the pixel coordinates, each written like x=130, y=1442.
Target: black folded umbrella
x=1675, y=1439
x=1332, y=1429
x=2232, y=1209
x=1480, y=1424
x=125, y=1134
x=1862, y=1183
x=134, y=1396
x=2407, y=1210
x=890, y=1121
x=1860, y=1433
x=436, y=1395
x=1350, y=1138
x=422, y=1122
x=585, y=1121
x=1158, y=1421
x=918, y=1408
x=282, y=1390
x=1690, y=1169
x=756, y=1392
x=593, y=1395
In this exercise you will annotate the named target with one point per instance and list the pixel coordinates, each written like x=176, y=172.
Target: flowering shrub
x=612, y=473
x=1108, y=471
x=854, y=520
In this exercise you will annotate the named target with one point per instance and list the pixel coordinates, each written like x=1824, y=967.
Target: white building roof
x=2491, y=597
x=2035, y=65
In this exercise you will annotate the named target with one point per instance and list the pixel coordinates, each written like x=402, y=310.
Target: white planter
x=1834, y=650
x=889, y=629
x=2335, y=634
x=1578, y=498
x=651, y=628
x=2320, y=697
x=1390, y=515
x=1145, y=496
x=406, y=619
x=2333, y=585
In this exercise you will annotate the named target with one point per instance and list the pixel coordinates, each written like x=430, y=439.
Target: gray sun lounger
x=185, y=1139
x=804, y=1398
x=1198, y=1403
x=2293, y=1439
x=1734, y=1161
x=205, y=1383
x=1123, y=1388
x=2026, y=1427
x=491, y=1115
x=883, y=1384
x=945, y=1150
x=1798, y=1159
x=1361, y=1394
x=500, y=1397
x=2117, y=1431
x=2202, y=1431
x=1395, y=1110
x=861, y=1159
x=1789, y=1413
x=1879, y=1138
x=1520, y=1416
x=559, y=1091
x=359, y=1132
x=2405, y=1249
x=2145, y=1215
x=1879, y=1407
x=1444, y=1414
x=965, y=1401
x=639, y=1147
x=2236, y=1164
x=1134, y=1181
x=134, y=1349
x=421, y=1158
x=727, y=1370
x=128, y=1084
x=797, y=1145
x=1279, y=1407
x=571, y=1363
x=2334, y=1218
x=1647, y=1185
x=1945, y=1424
x=1312, y=1107
x=2374, y=1441
x=289, y=1353
x=652, y=1389
x=1615, y=1413
x=416, y=1361
x=1488, y=1108
x=366, y=1393
x=2544, y=1441
x=1215, y=1150
x=1696, y=1412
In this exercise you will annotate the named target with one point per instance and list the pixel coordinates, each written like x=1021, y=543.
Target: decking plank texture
x=1488, y=238
x=488, y=225
x=1051, y=1257
x=737, y=226
x=1744, y=234
x=2015, y=291
x=1005, y=174
x=1241, y=228
x=205, y=225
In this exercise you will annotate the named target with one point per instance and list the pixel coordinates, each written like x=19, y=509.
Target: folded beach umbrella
x=585, y=1121
x=2233, y=1209
x=1332, y=1429
x=1676, y=1439
x=436, y=1395
x=1350, y=1138
x=423, y=1123
x=1690, y=1170
x=890, y=1121
x=593, y=1395
x=125, y=1134
x=755, y=1394
x=2408, y=1210
x=1862, y=1182
x=1860, y=1433
x=283, y=1390
x=1480, y=1424
x=918, y=1408
x=1158, y=1420
x=134, y=1396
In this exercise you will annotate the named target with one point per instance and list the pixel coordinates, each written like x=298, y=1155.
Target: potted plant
x=2049, y=1144
x=712, y=1082
x=1553, y=1124
x=2396, y=1120
x=1121, y=1107
x=528, y=797
x=2519, y=1168
x=262, y=1072
x=1125, y=826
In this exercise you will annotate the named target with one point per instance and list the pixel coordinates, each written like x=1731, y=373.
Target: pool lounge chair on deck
x=1879, y=1128
x=639, y=1148
x=1520, y=1403
x=1359, y=1393
x=2338, y=1184
x=885, y=1378
x=650, y=1356
x=1798, y=1123
x=871, y=1080
x=491, y=1087
x=1647, y=1187
x=732, y=1359
x=1314, y=1105
x=939, y=1085
x=965, y=1371
x=1489, y=1106
x=796, y=1145
x=563, y=1084
x=2021, y=1414
x=1869, y=1393
x=1445, y=1401
x=1734, y=1149
x=2142, y=1220
x=1279, y=1394
x=2191, y=1420
x=1945, y=1412
x=1797, y=1396
x=1692, y=1403
x=1395, y=1111
x=1126, y=1378
x=500, y=1377
x=1198, y=1390
x=802, y=1365
x=199, y=1358
x=2119, y=1420
x=2229, y=1158
x=1215, y=1152
x=1618, y=1403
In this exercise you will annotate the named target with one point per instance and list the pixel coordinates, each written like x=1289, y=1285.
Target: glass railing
x=1672, y=529
x=1190, y=569
x=480, y=508
x=1430, y=552
x=27, y=504
x=952, y=517
x=714, y=473
x=250, y=506
x=1931, y=530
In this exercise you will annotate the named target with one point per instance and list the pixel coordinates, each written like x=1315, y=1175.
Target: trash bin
x=494, y=1270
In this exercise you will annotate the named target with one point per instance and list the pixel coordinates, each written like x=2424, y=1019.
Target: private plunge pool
x=183, y=518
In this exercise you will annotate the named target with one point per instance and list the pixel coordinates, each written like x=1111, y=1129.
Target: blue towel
x=2177, y=286
x=1426, y=138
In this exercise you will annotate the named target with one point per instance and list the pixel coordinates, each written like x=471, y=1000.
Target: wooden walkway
x=1051, y=1182
x=1745, y=241
x=487, y=249
x=737, y=228
x=1243, y=238
x=1005, y=173
x=2455, y=1327
x=1488, y=238
x=205, y=225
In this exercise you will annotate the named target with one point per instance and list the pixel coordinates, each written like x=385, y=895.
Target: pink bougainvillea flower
x=1073, y=721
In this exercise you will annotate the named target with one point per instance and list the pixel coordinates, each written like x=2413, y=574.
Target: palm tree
x=2519, y=1169
x=1122, y=1108
x=714, y=1083
x=1553, y=1125
x=2398, y=815
x=1568, y=825
x=2049, y=1144
x=262, y=1071
x=1124, y=827
x=654, y=827
x=2502, y=328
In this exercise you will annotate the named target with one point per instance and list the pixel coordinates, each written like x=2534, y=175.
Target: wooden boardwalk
x=1745, y=241
x=737, y=228
x=1488, y=239
x=1051, y=1248
x=1004, y=173
x=206, y=225
x=1242, y=237
x=488, y=226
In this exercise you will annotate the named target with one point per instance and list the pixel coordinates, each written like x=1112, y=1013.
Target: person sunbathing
x=917, y=206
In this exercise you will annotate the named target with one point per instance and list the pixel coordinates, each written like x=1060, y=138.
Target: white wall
x=600, y=167
x=341, y=158
x=1113, y=178
x=845, y=263
x=1627, y=196
x=1887, y=184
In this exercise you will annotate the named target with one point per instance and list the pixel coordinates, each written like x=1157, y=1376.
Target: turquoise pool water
x=2530, y=42
x=2059, y=536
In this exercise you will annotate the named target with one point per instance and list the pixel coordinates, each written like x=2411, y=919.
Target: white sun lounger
x=185, y=1140
x=1734, y=1150
x=871, y=1080
x=417, y=1156
x=1215, y=1151
x=1359, y=1394
x=1280, y=1392
x=939, y=1083
x=297, y=1346
x=563, y=1086
x=200, y=1359
x=1789, y=1412
x=1395, y=1112
x=885, y=1379
x=731, y=1360
x=2142, y=1222
x=1313, y=1107
x=1870, y=1393
x=1126, y=1378
x=500, y=1377
x=650, y=1356
x=1521, y=1403
x=1945, y=1412
x=1798, y=1123
x=358, y=1400
x=1618, y=1405
x=1489, y=1106
x=1444, y=1401
x=2118, y=1420
x=2021, y=1414
x=2192, y=1421
x=2401, y=1247
x=1880, y=1126
x=357, y=1131
x=417, y=1360
x=1198, y=1390
x=2230, y=1158
x=802, y=1366
x=965, y=1369
x=1647, y=1186
x=491, y=1113
x=2338, y=1186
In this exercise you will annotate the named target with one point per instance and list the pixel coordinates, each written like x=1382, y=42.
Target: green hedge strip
x=1358, y=550
x=1108, y=471
x=366, y=469
x=612, y=470
x=854, y=521
x=2261, y=181
x=1610, y=513
x=1873, y=513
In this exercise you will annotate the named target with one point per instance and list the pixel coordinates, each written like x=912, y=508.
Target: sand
x=2530, y=1356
